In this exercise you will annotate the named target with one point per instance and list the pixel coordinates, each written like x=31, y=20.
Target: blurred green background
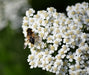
x=13, y=58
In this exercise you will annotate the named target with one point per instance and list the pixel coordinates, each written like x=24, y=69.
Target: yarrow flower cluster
x=61, y=44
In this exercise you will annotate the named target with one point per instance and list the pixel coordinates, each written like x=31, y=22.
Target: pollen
x=62, y=52
x=46, y=15
x=55, y=68
x=31, y=57
x=72, y=74
x=40, y=56
x=67, y=34
x=39, y=62
x=84, y=36
x=72, y=12
x=72, y=68
x=44, y=65
x=46, y=21
x=25, y=24
x=41, y=34
x=68, y=28
x=77, y=31
x=51, y=9
x=58, y=63
x=39, y=29
x=52, y=48
x=79, y=50
x=49, y=38
x=57, y=22
x=68, y=22
x=86, y=48
x=82, y=43
x=49, y=66
x=73, y=43
x=59, y=57
x=64, y=47
x=62, y=24
x=52, y=21
x=35, y=26
x=71, y=33
x=78, y=66
x=71, y=56
x=26, y=18
x=45, y=29
x=87, y=20
x=32, y=63
x=49, y=59
x=73, y=36
x=46, y=52
x=63, y=70
x=32, y=45
x=56, y=42
x=56, y=13
x=63, y=30
x=37, y=16
x=57, y=30
x=29, y=11
x=70, y=8
x=31, y=20
x=79, y=59
x=74, y=27
x=78, y=12
x=40, y=21
x=59, y=36
x=79, y=19
x=66, y=40
x=64, y=20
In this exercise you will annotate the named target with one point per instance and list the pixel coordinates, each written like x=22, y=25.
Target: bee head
x=29, y=31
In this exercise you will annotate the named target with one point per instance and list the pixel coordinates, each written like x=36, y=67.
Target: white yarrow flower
x=58, y=44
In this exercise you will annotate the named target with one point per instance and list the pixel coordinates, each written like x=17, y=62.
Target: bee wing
x=26, y=43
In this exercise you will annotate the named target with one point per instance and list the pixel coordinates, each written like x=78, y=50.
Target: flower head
x=60, y=43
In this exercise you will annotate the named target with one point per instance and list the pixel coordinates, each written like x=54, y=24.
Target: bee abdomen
x=32, y=40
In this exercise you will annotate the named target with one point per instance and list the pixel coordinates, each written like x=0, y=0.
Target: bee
x=30, y=37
